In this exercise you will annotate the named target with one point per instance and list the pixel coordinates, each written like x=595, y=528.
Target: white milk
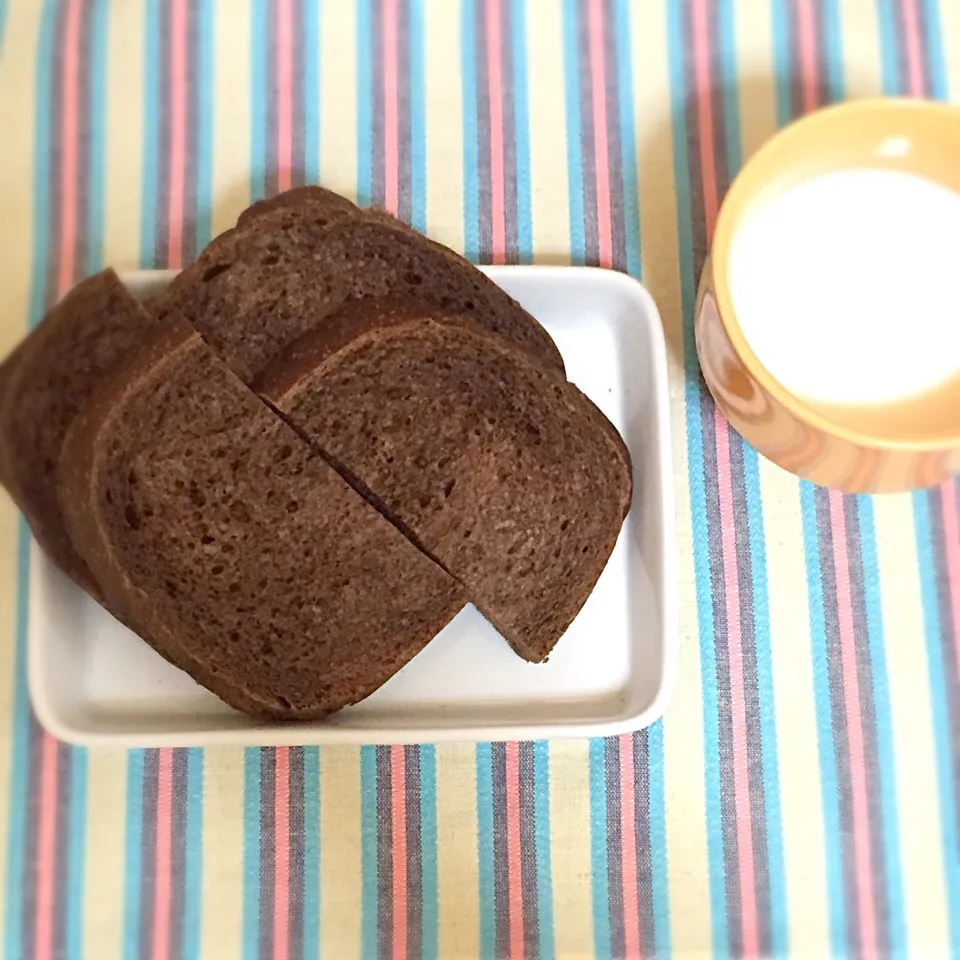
x=846, y=286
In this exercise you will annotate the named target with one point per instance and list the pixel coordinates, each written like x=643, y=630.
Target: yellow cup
x=897, y=446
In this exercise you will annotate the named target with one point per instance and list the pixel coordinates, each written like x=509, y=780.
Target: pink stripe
x=46, y=849
x=178, y=130
x=951, y=536
x=628, y=842
x=741, y=782
x=914, y=44
x=498, y=210
x=701, y=52
x=514, y=870
x=281, y=856
x=851, y=697
x=162, y=880
x=391, y=107
x=598, y=85
x=398, y=807
x=741, y=755
x=284, y=63
x=69, y=166
x=809, y=65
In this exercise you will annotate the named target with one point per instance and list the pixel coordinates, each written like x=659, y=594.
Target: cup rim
x=744, y=185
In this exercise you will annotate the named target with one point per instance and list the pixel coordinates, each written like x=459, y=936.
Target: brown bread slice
x=235, y=551
x=256, y=289
x=505, y=473
x=310, y=193
x=42, y=385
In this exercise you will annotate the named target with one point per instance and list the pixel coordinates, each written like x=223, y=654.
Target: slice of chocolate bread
x=257, y=288
x=42, y=385
x=231, y=548
x=309, y=193
x=503, y=471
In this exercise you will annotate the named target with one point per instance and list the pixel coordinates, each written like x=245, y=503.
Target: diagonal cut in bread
x=43, y=384
x=237, y=553
x=503, y=471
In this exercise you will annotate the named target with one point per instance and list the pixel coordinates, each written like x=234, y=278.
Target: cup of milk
x=828, y=315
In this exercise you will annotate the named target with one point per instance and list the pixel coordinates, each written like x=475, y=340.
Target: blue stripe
x=763, y=642
x=428, y=853
x=311, y=99
x=571, y=74
x=521, y=130
x=829, y=788
x=598, y=848
x=628, y=136
x=151, y=107
x=779, y=14
x=250, y=948
x=727, y=45
x=935, y=634
x=205, y=121
x=488, y=920
x=3, y=22
x=193, y=845
x=697, y=483
x=418, y=122
x=888, y=26
x=42, y=117
x=133, y=855
x=312, y=851
x=656, y=803
x=20, y=761
x=884, y=725
x=369, y=842
x=364, y=103
x=259, y=18
x=76, y=852
x=833, y=43
x=97, y=61
x=541, y=819
x=936, y=65
x=471, y=170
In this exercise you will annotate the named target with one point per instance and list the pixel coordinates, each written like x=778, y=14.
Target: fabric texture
x=802, y=795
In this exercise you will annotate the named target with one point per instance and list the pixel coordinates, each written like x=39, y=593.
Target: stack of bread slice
x=290, y=471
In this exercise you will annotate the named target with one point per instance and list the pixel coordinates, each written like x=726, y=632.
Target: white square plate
x=93, y=681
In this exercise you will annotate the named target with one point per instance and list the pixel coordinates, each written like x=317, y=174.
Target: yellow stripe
x=231, y=132
x=221, y=895
x=106, y=851
x=340, y=852
x=799, y=761
x=444, y=113
x=905, y=645
x=338, y=107
x=549, y=204
x=950, y=38
x=17, y=80
x=757, y=100
x=123, y=152
x=860, y=35
x=570, y=848
x=457, y=864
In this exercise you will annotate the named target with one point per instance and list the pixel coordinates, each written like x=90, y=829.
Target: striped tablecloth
x=802, y=795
